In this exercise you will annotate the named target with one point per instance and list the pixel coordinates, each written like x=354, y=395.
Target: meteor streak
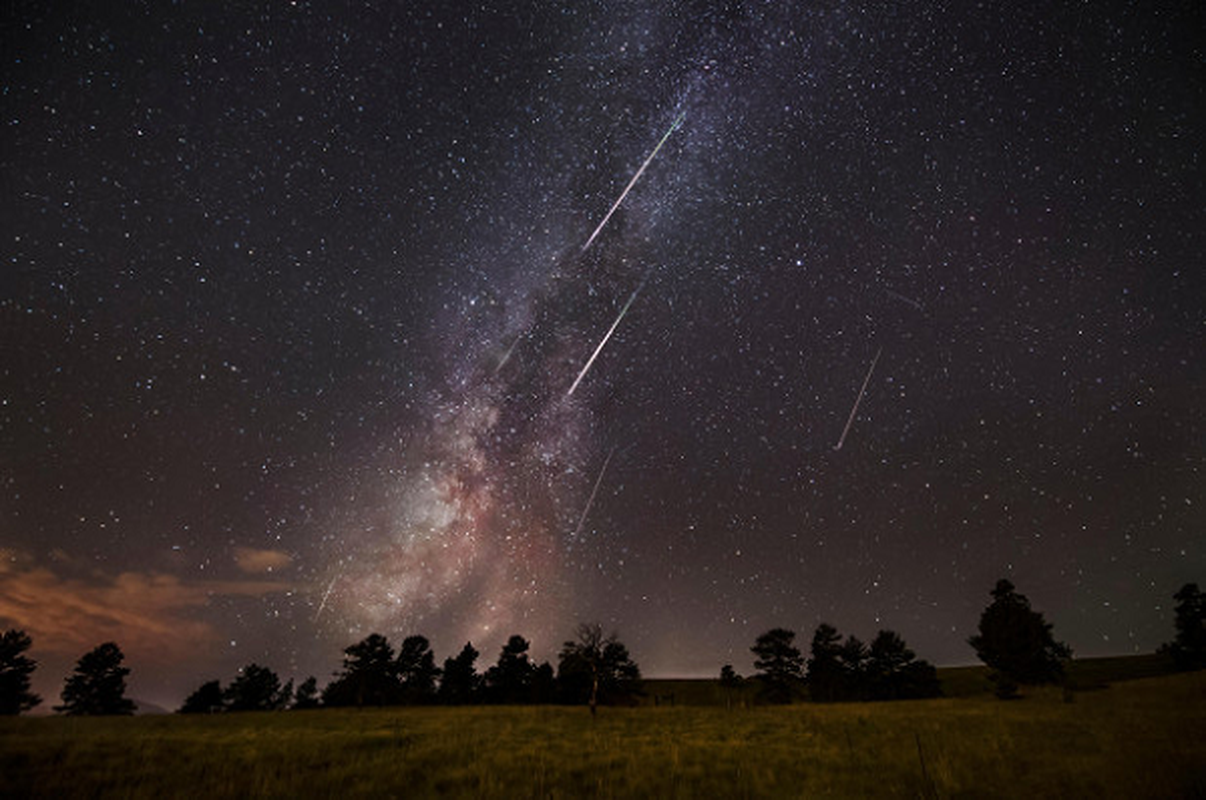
x=507, y=356
x=610, y=331
x=854, y=410
x=591, y=500
x=323, y=604
x=673, y=127
x=904, y=299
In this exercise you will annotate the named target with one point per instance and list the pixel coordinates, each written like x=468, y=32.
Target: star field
x=293, y=296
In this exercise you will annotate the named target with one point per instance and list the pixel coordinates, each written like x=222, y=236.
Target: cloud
x=259, y=562
x=150, y=615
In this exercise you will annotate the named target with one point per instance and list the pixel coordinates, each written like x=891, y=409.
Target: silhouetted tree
x=257, y=688
x=510, y=680
x=1016, y=643
x=461, y=681
x=729, y=678
x=894, y=673
x=544, y=683
x=595, y=668
x=417, y=670
x=730, y=682
x=307, y=695
x=98, y=686
x=853, y=655
x=15, y=669
x=369, y=675
x=207, y=699
x=779, y=663
x=1188, y=649
x=826, y=676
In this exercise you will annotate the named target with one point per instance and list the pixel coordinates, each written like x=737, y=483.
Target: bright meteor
x=673, y=126
x=610, y=331
x=854, y=410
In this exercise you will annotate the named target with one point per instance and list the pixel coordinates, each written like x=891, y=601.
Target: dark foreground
x=1141, y=738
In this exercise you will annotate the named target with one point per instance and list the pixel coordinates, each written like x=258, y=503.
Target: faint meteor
x=591, y=500
x=323, y=604
x=673, y=126
x=854, y=410
x=610, y=331
x=902, y=298
x=507, y=355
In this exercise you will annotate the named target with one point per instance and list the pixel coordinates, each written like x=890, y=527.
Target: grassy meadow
x=1139, y=738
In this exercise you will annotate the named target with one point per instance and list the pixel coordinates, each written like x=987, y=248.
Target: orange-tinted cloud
x=259, y=562
x=150, y=615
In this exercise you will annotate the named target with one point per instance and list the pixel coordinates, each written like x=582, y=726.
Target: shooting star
x=591, y=500
x=323, y=604
x=854, y=410
x=610, y=331
x=507, y=355
x=673, y=127
x=904, y=299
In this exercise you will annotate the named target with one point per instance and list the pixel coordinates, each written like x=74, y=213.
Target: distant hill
x=142, y=707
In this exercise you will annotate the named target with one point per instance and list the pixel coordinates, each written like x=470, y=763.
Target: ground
x=1138, y=738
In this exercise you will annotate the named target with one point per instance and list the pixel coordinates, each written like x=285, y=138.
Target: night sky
x=293, y=296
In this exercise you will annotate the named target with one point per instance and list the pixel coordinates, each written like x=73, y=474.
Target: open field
x=1140, y=738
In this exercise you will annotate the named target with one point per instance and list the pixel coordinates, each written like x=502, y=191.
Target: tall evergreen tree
x=461, y=681
x=826, y=677
x=779, y=663
x=369, y=677
x=417, y=670
x=15, y=669
x=98, y=685
x=1188, y=649
x=1017, y=644
x=853, y=658
x=510, y=680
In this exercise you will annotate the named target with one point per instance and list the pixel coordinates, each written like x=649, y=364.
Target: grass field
x=1141, y=738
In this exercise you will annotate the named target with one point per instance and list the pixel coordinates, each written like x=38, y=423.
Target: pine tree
x=1188, y=649
x=1016, y=643
x=510, y=680
x=369, y=677
x=257, y=689
x=779, y=663
x=417, y=670
x=461, y=681
x=825, y=672
x=307, y=694
x=894, y=672
x=15, y=669
x=98, y=685
x=207, y=699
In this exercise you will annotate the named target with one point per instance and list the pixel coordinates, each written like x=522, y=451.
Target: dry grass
x=1137, y=739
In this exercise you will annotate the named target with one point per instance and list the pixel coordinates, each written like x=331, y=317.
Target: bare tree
x=596, y=665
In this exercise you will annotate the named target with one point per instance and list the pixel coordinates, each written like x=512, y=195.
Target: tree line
x=1013, y=640
x=591, y=668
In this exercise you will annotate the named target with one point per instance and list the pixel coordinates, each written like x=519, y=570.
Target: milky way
x=294, y=299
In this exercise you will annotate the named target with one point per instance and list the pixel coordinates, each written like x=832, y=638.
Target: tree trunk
x=594, y=688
